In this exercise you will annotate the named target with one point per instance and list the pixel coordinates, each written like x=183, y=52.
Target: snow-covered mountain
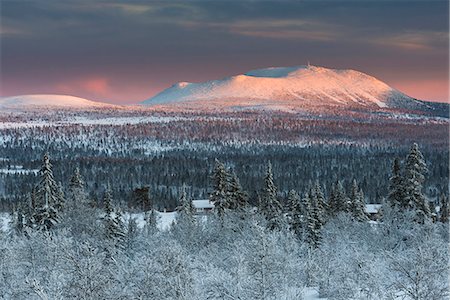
x=290, y=88
x=36, y=101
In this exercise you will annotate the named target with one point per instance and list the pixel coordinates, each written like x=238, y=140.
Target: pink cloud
x=431, y=90
x=97, y=86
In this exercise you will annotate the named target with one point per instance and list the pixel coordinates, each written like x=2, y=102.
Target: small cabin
x=203, y=206
x=373, y=210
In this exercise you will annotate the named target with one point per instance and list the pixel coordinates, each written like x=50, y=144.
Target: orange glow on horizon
x=93, y=86
x=428, y=90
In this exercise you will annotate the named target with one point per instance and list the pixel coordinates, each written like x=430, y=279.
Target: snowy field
x=18, y=170
x=165, y=220
x=84, y=120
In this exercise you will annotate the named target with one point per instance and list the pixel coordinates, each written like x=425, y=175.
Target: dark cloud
x=129, y=50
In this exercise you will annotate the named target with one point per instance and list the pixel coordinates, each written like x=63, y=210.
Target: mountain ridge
x=49, y=100
x=293, y=87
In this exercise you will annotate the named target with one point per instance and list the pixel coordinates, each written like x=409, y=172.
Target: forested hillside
x=62, y=244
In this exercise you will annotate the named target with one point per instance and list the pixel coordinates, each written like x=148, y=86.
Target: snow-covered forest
x=59, y=243
x=134, y=148
x=224, y=150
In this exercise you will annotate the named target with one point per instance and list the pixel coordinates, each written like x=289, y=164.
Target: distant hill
x=36, y=101
x=293, y=88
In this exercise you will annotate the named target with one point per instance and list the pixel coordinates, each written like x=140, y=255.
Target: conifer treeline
x=271, y=250
x=307, y=215
x=304, y=215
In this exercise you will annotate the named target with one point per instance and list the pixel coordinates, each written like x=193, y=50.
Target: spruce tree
x=132, y=233
x=119, y=226
x=151, y=220
x=107, y=201
x=60, y=199
x=357, y=203
x=338, y=199
x=220, y=195
x=237, y=196
x=76, y=181
x=415, y=170
x=33, y=198
x=270, y=206
x=186, y=209
x=28, y=209
x=76, y=196
x=312, y=222
x=141, y=198
x=185, y=225
x=295, y=213
x=80, y=215
x=186, y=206
x=396, y=196
x=321, y=204
x=112, y=220
x=19, y=218
x=46, y=215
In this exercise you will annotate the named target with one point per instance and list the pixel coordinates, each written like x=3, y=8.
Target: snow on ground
x=5, y=219
x=311, y=293
x=92, y=121
x=122, y=120
x=317, y=84
x=18, y=170
x=165, y=220
x=7, y=125
x=49, y=101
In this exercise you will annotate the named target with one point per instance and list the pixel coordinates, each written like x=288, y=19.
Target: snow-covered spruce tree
x=396, y=195
x=313, y=224
x=220, y=194
x=112, y=221
x=77, y=194
x=131, y=235
x=90, y=276
x=294, y=213
x=443, y=209
x=338, y=201
x=185, y=229
x=18, y=220
x=23, y=217
x=237, y=196
x=119, y=228
x=351, y=264
x=80, y=216
x=420, y=270
x=186, y=209
x=60, y=199
x=107, y=201
x=270, y=206
x=47, y=198
x=141, y=198
x=415, y=170
x=321, y=204
x=151, y=221
x=357, y=203
x=32, y=201
x=264, y=269
x=172, y=273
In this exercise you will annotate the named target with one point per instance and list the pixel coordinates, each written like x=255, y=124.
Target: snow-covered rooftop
x=203, y=204
x=372, y=208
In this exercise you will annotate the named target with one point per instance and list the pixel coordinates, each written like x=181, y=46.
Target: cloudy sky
x=127, y=51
